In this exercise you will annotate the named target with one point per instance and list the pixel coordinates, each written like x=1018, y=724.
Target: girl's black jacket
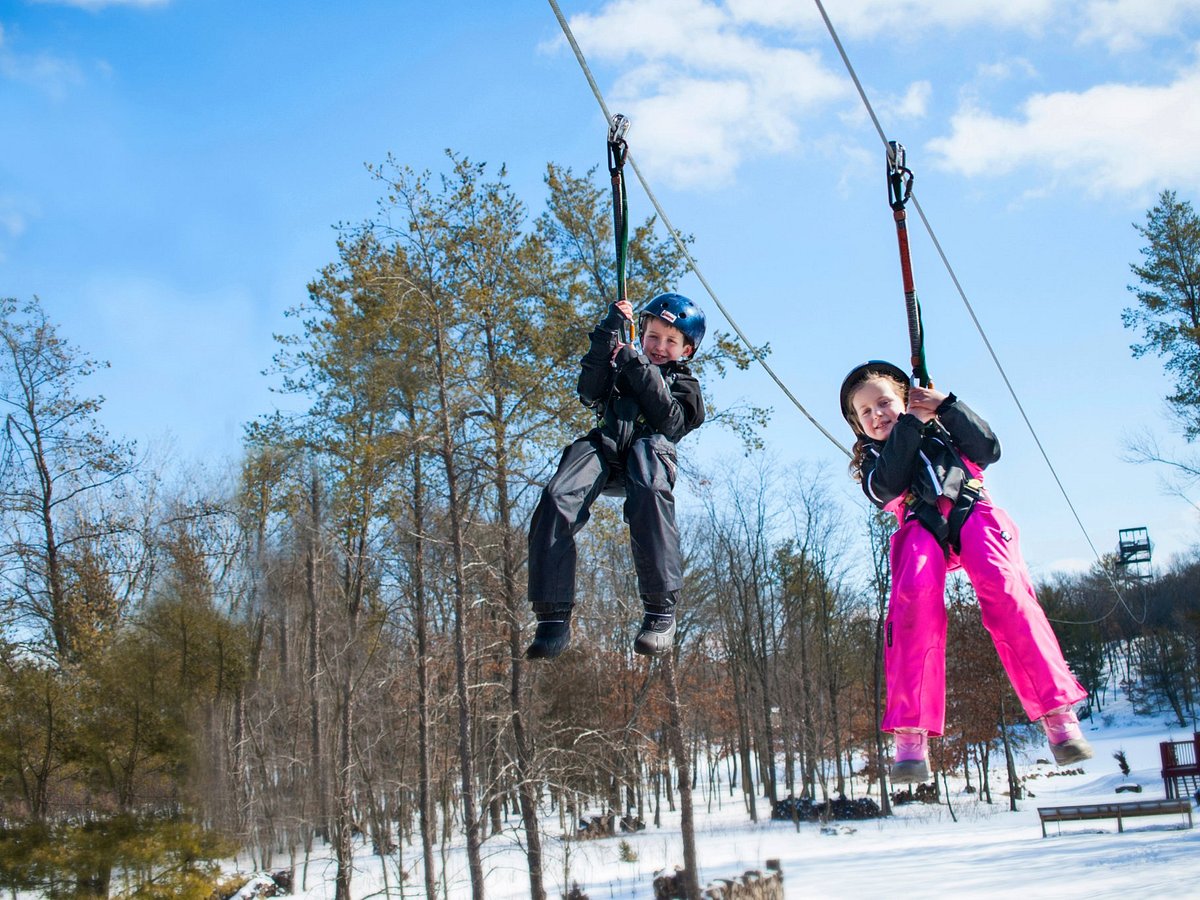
x=925, y=460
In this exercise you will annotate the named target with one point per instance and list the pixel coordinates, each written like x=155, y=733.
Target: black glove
x=626, y=353
x=613, y=320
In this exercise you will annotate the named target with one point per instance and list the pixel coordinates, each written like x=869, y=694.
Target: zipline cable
x=971, y=311
x=692, y=264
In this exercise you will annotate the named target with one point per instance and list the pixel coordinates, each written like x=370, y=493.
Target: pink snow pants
x=915, y=635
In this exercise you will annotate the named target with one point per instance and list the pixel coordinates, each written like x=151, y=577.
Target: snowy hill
x=920, y=851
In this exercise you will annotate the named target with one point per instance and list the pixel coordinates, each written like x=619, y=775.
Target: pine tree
x=1168, y=295
x=351, y=363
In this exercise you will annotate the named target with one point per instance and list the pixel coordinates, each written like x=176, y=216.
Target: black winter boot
x=657, y=634
x=552, y=636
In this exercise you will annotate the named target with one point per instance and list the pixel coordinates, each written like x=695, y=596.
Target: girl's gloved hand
x=923, y=402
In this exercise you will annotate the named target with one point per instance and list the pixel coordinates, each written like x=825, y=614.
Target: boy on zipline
x=920, y=454
x=646, y=401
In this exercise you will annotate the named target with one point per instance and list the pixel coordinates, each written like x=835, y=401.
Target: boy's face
x=664, y=343
x=877, y=405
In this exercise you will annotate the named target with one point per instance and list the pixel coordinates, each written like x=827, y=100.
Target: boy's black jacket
x=636, y=397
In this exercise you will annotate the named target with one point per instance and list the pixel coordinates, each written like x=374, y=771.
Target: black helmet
x=677, y=310
x=859, y=374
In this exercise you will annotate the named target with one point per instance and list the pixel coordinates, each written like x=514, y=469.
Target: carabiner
x=617, y=128
x=900, y=177
x=617, y=148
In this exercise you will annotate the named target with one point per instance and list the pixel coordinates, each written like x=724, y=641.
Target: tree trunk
x=316, y=762
x=885, y=797
x=691, y=873
x=353, y=598
x=1014, y=782
x=425, y=812
x=748, y=793
x=509, y=568
x=525, y=778
x=344, y=838
x=458, y=552
x=767, y=751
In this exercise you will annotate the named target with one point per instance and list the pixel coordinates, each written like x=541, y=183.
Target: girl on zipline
x=646, y=401
x=920, y=454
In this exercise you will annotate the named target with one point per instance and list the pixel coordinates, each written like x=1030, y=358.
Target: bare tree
x=880, y=527
x=56, y=457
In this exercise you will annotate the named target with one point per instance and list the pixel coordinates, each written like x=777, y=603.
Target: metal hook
x=617, y=128
x=617, y=148
x=900, y=177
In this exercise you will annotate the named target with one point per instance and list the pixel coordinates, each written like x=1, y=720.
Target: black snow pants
x=586, y=470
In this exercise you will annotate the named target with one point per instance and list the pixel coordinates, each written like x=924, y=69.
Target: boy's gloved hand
x=626, y=353
x=618, y=314
x=630, y=367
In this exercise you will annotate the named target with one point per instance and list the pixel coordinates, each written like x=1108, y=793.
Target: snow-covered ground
x=921, y=851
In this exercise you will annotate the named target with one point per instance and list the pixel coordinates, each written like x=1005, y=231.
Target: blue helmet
x=677, y=310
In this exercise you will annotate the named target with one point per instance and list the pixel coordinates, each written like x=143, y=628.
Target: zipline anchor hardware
x=900, y=182
x=617, y=129
x=618, y=150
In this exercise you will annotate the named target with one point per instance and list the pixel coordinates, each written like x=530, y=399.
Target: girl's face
x=877, y=405
x=664, y=343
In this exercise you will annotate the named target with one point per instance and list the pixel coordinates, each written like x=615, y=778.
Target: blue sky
x=173, y=170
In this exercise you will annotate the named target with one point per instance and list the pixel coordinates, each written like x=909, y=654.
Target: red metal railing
x=1180, y=764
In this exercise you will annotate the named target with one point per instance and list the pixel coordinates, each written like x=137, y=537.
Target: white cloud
x=1123, y=25
x=49, y=74
x=1114, y=137
x=870, y=18
x=12, y=222
x=650, y=28
x=53, y=76
x=712, y=84
x=1006, y=69
x=94, y=5
x=703, y=97
x=915, y=102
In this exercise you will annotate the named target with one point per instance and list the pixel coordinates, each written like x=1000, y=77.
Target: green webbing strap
x=900, y=180
x=617, y=151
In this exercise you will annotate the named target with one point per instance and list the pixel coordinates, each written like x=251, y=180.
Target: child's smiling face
x=663, y=342
x=877, y=405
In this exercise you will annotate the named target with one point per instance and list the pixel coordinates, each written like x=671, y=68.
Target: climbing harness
x=900, y=182
x=618, y=150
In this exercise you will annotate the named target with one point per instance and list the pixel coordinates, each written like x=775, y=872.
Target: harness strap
x=947, y=530
x=900, y=183
x=618, y=150
x=968, y=496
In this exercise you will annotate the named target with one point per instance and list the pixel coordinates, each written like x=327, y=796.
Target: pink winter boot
x=911, y=765
x=1067, y=742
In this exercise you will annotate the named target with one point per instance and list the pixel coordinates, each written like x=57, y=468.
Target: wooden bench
x=1118, y=811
